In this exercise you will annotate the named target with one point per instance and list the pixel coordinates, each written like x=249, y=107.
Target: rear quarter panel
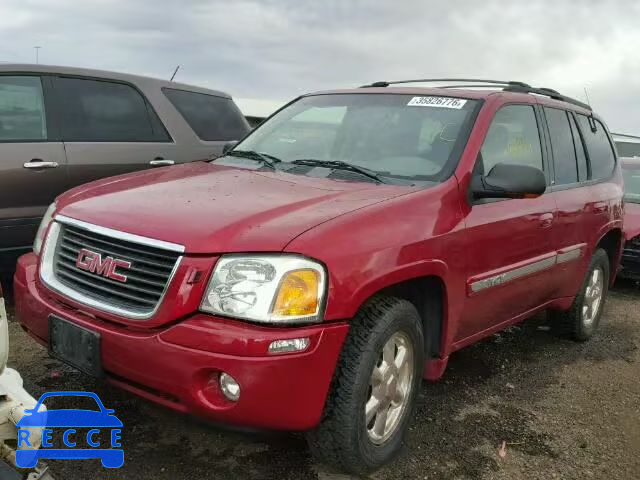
x=190, y=146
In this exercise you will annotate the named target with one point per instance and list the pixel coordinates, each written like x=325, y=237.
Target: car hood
x=631, y=220
x=211, y=208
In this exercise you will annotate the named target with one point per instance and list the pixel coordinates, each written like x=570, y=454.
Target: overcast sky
x=277, y=49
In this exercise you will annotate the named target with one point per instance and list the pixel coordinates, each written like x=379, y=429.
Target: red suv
x=311, y=277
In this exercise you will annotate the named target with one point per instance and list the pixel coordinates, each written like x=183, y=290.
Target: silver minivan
x=61, y=127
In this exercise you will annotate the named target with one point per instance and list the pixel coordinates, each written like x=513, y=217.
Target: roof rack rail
x=506, y=85
x=548, y=92
x=430, y=80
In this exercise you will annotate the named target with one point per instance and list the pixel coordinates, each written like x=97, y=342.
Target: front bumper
x=178, y=366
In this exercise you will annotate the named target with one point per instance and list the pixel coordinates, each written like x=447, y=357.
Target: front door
x=510, y=250
x=32, y=159
x=108, y=129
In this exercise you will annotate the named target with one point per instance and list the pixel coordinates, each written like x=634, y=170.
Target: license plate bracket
x=75, y=345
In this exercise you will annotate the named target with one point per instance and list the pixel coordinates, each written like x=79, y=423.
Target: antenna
x=174, y=73
x=587, y=96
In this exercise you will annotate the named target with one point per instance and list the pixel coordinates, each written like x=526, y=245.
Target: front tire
x=374, y=391
x=582, y=319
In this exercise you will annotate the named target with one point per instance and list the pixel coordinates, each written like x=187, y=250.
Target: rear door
x=603, y=203
x=572, y=194
x=510, y=251
x=108, y=128
x=32, y=158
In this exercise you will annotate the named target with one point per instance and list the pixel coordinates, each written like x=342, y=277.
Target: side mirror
x=506, y=180
x=228, y=146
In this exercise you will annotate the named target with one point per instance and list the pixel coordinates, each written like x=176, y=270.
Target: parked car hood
x=211, y=208
x=631, y=220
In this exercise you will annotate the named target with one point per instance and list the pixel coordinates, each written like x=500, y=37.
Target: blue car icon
x=79, y=446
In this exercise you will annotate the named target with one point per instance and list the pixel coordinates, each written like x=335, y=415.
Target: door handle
x=546, y=220
x=39, y=164
x=161, y=162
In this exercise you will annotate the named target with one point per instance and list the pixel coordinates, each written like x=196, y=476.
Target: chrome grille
x=147, y=278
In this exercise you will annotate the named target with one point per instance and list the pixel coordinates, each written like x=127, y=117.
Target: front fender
x=390, y=276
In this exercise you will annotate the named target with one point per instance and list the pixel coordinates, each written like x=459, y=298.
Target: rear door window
x=22, y=113
x=212, y=118
x=562, y=145
x=599, y=148
x=513, y=138
x=103, y=111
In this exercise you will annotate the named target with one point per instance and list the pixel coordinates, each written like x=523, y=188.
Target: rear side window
x=562, y=145
x=22, y=114
x=212, y=118
x=102, y=111
x=599, y=148
x=628, y=149
x=513, y=138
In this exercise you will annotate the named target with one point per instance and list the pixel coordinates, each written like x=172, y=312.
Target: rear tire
x=378, y=375
x=582, y=319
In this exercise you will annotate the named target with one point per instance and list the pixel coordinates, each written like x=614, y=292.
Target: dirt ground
x=565, y=411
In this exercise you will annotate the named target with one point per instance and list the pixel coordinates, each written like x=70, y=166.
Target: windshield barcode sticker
x=439, y=102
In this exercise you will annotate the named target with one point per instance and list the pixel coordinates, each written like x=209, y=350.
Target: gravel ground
x=565, y=410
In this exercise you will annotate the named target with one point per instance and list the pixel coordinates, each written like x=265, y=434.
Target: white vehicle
x=14, y=399
x=627, y=145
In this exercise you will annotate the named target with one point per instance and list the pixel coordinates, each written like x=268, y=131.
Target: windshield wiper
x=340, y=165
x=265, y=158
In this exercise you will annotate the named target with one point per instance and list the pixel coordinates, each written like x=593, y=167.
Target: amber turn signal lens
x=298, y=294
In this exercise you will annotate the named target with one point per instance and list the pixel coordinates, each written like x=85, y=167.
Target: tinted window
x=100, y=111
x=583, y=169
x=22, y=115
x=599, y=149
x=211, y=117
x=513, y=137
x=628, y=149
x=564, y=154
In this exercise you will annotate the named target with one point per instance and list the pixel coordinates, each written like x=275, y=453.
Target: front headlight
x=42, y=229
x=266, y=288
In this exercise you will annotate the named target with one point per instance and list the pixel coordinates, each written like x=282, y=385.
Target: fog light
x=290, y=345
x=229, y=387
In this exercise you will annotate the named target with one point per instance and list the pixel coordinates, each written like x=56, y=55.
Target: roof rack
x=506, y=85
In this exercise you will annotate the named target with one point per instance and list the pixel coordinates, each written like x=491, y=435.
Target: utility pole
x=37, y=48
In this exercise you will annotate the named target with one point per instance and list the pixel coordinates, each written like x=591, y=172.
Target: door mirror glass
x=510, y=181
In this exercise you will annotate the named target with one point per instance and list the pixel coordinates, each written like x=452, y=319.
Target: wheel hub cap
x=389, y=388
x=593, y=297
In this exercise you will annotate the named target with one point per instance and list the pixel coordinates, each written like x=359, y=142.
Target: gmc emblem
x=105, y=267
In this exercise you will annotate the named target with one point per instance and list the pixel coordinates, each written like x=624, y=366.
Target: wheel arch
x=612, y=242
x=426, y=288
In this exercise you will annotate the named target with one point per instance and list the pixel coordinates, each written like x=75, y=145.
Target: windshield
x=393, y=136
x=631, y=175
